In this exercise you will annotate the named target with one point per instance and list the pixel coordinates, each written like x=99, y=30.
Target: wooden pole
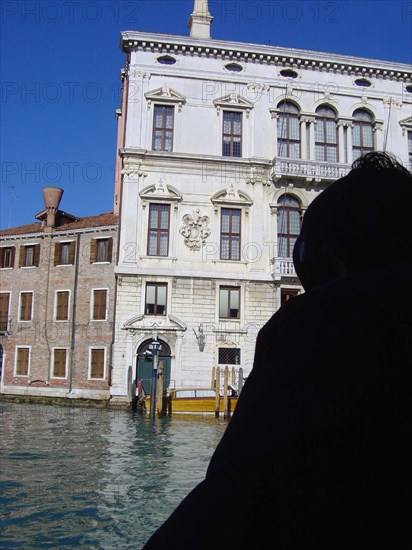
x=213, y=377
x=159, y=388
x=217, y=401
x=233, y=376
x=225, y=399
x=240, y=381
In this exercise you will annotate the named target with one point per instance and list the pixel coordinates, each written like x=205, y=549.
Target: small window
x=101, y=250
x=229, y=302
x=26, y=306
x=234, y=67
x=59, y=363
x=229, y=356
x=29, y=255
x=97, y=363
x=289, y=73
x=22, y=361
x=230, y=234
x=99, y=311
x=156, y=296
x=158, y=237
x=4, y=311
x=163, y=121
x=166, y=60
x=64, y=253
x=7, y=255
x=62, y=305
x=232, y=134
x=363, y=82
x=287, y=294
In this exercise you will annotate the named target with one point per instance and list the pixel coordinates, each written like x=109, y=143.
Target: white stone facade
x=201, y=79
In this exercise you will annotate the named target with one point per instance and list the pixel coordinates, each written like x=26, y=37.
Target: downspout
x=73, y=325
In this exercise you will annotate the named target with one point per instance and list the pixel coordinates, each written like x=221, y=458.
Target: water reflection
x=90, y=478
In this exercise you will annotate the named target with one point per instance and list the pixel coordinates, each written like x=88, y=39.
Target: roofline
x=258, y=53
x=58, y=233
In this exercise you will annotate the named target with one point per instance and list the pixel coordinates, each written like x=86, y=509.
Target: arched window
x=362, y=133
x=326, y=135
x=288, y=224
x=288, y=130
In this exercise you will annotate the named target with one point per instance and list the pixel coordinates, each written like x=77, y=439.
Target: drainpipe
x=73, y=327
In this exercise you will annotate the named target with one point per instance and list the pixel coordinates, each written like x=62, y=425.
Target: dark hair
x=360, y=221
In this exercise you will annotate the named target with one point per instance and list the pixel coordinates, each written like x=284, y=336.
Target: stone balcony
x=310, y=170
x=282, y=268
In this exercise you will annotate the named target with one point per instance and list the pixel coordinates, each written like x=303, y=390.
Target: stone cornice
x=269, y=55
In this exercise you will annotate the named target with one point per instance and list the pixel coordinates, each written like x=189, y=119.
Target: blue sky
x=60, y=63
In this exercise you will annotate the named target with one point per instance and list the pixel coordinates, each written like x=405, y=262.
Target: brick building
x=57, y=297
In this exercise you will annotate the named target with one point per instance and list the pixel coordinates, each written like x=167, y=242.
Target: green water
x=91, y=478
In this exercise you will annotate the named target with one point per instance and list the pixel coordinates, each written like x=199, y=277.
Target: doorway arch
x=144, y=364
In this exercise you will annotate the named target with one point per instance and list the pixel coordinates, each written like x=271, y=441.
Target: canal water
x=92, y=478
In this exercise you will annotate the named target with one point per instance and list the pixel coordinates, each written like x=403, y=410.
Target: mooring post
x=213, y=383
x=225, y=398
x=217, y=386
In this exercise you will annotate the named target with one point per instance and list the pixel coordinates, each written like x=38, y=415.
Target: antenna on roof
x=12, y=198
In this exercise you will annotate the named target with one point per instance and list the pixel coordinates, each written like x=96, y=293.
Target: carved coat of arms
x=195, y=230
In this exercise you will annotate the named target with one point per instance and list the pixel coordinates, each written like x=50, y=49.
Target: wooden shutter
x=4, y=311
x=93, y=251
x=26, y=300
x=22, y=364
x=13, y=255
x=62, y=305
x=110, y=249
x=99, y=305
x=59, y=363
x=22, y=256
x=72, y=252
x=97, y=363
x=56, y=253
x=2, y=257
x=36, y=258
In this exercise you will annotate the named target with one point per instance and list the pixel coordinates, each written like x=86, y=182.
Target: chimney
x=52, y=197
x=200, y=20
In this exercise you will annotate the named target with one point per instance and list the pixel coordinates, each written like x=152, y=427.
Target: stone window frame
x=89, y=368
x=3, y=257
x=52, y=362
x=16, y=354
x=20, y=320
x=92, y=302
x=56, y=304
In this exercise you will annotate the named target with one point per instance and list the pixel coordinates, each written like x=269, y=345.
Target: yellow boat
x=197, y=400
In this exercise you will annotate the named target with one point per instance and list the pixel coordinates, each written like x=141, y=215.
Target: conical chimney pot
x=52, y=196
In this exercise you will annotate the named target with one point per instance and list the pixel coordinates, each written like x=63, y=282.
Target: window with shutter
x=26, y=306
x=22, y=361
x=59, y=362
x=64, y=253
x=99, y=312
x=101, y=250
x=7, y=255
x=4, y=311
x=62, y=305
x=29, y=255
x=97, y=363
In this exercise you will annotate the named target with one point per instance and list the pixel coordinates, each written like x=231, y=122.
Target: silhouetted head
x=360, y=222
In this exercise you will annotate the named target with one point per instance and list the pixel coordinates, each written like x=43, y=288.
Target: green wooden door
x=145, y=368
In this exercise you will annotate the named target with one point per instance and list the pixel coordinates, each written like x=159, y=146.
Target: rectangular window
x=229, y=302
x=230, y=234
x=4, y=311
x=232, y=134
x=158, y=237
x=229, y=356
x=156, y=295
x=59, y=363
x=163, y=119
x=29, y=255
x=26, y=306
x=101, y=250
x=22, y=361
x=64, y=253
x=287, y=294
x=99, y=311
x=7, y=255
x=97, y=363
x=62, y=305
